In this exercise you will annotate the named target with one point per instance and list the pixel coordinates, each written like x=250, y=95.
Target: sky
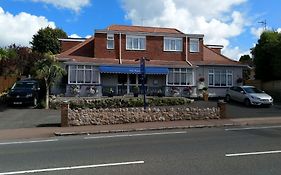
x=235, y=24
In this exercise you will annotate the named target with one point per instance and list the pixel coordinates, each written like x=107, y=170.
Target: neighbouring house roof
x=79, y=50
x=143, y=29
x=213, y=58
x=155, y=31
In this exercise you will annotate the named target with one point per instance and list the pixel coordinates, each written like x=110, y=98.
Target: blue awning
x=132, y=70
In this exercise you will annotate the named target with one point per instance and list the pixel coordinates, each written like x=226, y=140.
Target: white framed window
x=83, y=74
x=194, y=45
x=180, y=76
x=220, y=77
x=135, y=42
x=110, y=41
x=172, y=44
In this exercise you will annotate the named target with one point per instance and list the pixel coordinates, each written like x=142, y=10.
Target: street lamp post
x=142, y=71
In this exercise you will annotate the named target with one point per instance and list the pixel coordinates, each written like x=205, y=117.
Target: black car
x=24, y=92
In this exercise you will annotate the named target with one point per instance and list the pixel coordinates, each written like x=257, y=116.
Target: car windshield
x=23, y=85
x=252, y=90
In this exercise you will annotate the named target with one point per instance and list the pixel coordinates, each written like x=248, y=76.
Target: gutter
x=186, y=52
x=120, y=49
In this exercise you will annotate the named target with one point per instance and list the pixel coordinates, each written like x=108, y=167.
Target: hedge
x=85, y=103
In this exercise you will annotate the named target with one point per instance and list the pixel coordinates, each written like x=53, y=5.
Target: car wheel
x=247, y=102
x=227, y=98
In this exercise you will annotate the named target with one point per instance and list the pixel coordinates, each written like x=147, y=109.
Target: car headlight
x=28, y=95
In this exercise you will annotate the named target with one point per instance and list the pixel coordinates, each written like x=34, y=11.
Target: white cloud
x=74, y=36
x=235, y=53
x=20, y=28
x=279, y=30
x=78, y=36
x=215, y=19
x=74, y=5
x=257, y=31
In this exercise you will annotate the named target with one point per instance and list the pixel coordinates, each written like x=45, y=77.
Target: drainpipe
x=120, y=49
x=186, y=52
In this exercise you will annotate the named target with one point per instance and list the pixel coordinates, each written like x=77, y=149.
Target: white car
x=249, y=95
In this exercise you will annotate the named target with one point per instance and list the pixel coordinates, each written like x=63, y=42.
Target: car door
x=240, y=95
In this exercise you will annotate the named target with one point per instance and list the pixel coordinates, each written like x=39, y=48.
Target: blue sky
x=232, y=23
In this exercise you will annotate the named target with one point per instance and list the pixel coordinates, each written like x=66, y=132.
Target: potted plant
x=201, y=79
x=136, y=91
x=110, y=94
x=205, y=94
x=239, y=80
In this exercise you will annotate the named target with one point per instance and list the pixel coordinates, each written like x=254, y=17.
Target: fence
x=6, y=82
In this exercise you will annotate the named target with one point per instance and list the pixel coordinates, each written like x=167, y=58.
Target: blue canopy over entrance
x=133, y=70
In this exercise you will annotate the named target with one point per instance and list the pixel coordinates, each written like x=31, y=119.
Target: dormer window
x=135, y=42
x=172, y=44
x=194, y=45
x=110, y=41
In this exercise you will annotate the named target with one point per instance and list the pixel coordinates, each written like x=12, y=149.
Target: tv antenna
x=264, y=24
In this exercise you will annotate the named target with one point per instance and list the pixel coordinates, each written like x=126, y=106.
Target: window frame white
x=109, y=39
x=139, y=39
x=194, y=42
x=95, y=74
x=180, y=71
x=168, y=44
x=214, y=72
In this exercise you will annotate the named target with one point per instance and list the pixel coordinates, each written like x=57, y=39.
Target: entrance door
x=126, y=82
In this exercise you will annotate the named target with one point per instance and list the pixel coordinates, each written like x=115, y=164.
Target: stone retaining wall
x=78, y=117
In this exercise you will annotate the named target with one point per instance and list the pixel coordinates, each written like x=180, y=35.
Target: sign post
x=143, y=78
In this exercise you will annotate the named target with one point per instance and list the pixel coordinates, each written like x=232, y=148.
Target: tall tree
x=246, y=59
x=267, y=56
x=49, y=70
x=46, y=40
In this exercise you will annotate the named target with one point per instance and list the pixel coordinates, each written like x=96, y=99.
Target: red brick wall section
x=87, y=50
x=196, y=56
x=66, y=45
x=154, y=49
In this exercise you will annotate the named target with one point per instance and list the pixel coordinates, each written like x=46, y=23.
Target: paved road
x=194, y=151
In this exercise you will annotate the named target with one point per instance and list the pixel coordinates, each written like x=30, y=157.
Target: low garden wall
x=108, y=111
x=78, y=117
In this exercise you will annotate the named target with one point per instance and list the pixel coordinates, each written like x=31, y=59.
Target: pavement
x=45, y=132
x=33, y=123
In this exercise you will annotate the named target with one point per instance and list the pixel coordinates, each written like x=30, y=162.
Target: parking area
x=24, y=117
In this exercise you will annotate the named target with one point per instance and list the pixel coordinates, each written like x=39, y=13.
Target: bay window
x=180, y=76
x=83, y=74
x=220, y=77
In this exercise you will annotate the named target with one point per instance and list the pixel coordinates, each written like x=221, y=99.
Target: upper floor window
x=135, y=42
x=110, y=41
x=172, y=44
x=194, y=45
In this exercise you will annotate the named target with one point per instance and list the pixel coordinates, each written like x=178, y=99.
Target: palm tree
x=49, y=70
